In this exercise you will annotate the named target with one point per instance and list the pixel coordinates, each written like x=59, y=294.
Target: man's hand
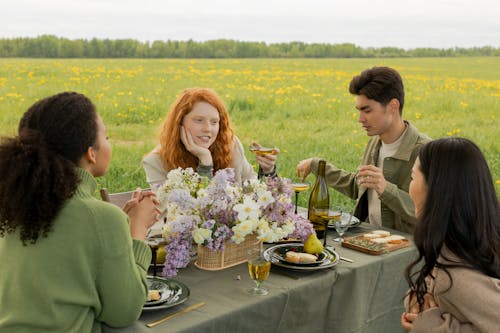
x=372, y=177
x=304, y=168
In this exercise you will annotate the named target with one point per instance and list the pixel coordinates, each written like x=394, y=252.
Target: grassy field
x=301, y=106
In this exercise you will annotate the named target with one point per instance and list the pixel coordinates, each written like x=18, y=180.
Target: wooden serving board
x=360, y=243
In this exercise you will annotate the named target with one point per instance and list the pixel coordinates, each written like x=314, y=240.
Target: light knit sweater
x=86, y=271
x=156, y=173
x=472, y=304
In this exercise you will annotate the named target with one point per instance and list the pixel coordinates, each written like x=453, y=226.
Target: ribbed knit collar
x=88, y=184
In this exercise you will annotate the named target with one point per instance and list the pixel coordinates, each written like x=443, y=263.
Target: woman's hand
x=203, y=154
x=143, y=213
x=266, y=162
x=407, y=320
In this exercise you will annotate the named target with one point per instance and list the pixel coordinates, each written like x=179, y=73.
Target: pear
x=160, y=255
x=313, y=245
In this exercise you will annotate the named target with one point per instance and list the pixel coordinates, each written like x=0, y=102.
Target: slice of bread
x=153, y=295
x=381, y=233
x=382, y=240
x=300, y=258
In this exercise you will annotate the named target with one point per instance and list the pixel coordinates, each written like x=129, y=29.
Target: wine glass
x=258, y=268
x=260, y=150
x=299, y=187
x=341, y=218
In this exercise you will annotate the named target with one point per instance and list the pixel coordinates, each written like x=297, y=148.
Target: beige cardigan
x=156, y=174
x=472, y=304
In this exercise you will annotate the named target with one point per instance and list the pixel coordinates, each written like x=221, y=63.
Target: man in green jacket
x=381, y=182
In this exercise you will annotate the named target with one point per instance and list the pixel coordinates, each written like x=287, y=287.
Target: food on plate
x=371, y=236
x=382, y=240
x=153, y=295
x=395, y=239
x=313, y=245
x=381, y=233
x=300, y=257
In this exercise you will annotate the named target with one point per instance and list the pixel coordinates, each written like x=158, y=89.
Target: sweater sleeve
x=341, y=180
x=247, y=172
x=470, y=305
x=155, y=173
x=434, y=321
x=121, y=279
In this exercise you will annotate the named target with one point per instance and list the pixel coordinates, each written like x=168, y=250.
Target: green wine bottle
x=319, y=202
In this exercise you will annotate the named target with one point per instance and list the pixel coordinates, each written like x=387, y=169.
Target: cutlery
x=346, y=259
x=331, y=248
x=186, y=310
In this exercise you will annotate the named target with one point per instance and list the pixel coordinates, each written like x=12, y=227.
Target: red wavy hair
x=173, y=153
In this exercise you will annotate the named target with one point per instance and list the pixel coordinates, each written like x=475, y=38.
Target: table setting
x=267, y=268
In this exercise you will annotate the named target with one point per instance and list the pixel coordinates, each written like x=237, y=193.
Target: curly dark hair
x=38, y=166
x=461, y=212
x=381, y=84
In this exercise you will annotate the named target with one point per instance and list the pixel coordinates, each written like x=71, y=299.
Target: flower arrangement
x=212, y=211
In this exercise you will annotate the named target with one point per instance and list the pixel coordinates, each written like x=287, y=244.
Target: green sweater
x=87, y=270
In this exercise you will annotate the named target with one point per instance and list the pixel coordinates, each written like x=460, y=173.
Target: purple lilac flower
x=303, y=228
x=182, y=198
x=177, y=255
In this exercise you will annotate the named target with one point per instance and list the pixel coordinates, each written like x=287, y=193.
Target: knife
x=170, y=316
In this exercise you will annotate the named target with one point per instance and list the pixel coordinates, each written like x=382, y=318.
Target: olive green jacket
x=397, y=209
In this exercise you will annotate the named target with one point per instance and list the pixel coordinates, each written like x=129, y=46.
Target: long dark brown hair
x=38, y=166
x=461, y=212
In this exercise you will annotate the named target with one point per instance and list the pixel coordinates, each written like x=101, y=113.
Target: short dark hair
x=38, y=166
x=381, y=84
x=461, y=211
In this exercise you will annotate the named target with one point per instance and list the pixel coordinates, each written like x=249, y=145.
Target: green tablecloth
x=364, y=296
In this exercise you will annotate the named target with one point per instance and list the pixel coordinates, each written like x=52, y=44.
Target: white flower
x=249, y=209
x=265, y=198
x=245, y=227
x=238, y=238
x=201, y=234
x=201, y=193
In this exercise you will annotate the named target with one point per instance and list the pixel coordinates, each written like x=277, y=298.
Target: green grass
x=301, y=106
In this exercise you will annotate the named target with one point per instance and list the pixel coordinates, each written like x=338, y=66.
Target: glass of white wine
x=258, y=268
x=297, y=188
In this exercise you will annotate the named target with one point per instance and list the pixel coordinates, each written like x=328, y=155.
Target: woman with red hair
x=197, y=133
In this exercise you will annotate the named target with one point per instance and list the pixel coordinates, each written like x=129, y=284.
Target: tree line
x=49, y=46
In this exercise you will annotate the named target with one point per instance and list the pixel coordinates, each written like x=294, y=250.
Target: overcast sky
x=400, y=23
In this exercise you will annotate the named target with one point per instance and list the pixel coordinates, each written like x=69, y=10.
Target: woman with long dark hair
x=68, y=260
x=455, y=281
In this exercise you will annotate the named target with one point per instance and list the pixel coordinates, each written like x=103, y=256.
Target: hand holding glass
x=258, y=268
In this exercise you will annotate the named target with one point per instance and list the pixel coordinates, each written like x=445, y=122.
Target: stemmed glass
x=341, y=221
x=258, y=268
x=299, y=187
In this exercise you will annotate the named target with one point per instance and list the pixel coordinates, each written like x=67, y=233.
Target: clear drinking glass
x=258, y=268
x=341, y=219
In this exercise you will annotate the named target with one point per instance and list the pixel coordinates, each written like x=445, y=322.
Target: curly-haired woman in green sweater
x=69, y=262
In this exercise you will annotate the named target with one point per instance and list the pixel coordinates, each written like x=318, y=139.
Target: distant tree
x=48, y=46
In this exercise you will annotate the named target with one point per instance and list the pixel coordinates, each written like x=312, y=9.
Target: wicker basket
x=233, y=255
